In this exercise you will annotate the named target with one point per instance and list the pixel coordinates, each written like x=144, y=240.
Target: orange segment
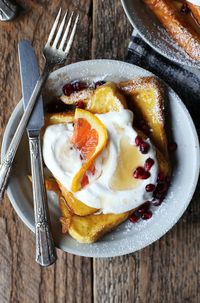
x=90, y=138
x=85, y=138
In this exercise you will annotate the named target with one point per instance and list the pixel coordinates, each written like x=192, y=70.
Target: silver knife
x=29, y=71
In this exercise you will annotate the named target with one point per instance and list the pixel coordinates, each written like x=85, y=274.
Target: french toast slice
x=55, y=118
x=90, y=228
x=84, y=223
x=103, y=99
x=145, y=96
x=77, y=207
x=181, y=27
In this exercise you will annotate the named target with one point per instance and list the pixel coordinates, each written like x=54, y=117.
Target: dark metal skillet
x=151, y=30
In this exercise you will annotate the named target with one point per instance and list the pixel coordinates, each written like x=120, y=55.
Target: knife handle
x=7, y=160
x=45, y=249
x=5, y=169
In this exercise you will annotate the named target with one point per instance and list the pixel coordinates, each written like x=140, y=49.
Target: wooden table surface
x=167, y=271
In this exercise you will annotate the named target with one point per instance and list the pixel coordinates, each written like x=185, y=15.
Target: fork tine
x=71, y=38
x=54, y=27
x=60, y=30
x=66, y=32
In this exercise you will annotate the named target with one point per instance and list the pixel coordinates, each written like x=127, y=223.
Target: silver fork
x=55, y=53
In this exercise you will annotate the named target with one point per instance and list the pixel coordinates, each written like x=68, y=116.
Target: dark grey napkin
x=184, y=81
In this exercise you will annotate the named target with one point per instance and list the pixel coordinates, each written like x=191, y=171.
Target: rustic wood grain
x=5, y=263
x=21, y=279
x=111, y=30
x=168, y=270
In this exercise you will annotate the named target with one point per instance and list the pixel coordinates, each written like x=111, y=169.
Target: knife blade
x=29, y=71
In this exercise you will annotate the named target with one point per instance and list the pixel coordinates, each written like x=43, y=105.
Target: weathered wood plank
x=5, y=263
x=111, y=30
x=21, y=279
x=169, y=270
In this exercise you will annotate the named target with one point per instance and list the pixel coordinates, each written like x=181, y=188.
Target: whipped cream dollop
x=195, y=2
x=112, y=188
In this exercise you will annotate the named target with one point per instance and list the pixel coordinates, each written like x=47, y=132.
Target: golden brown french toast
x=90, y=228
x=145, y=97
x=55, y=118
x=77, y=207
x=114, y=101
x=180, y=25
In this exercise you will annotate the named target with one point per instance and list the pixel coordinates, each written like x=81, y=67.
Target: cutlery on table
x=8, y=10
x=55, y=53
x=29, y=71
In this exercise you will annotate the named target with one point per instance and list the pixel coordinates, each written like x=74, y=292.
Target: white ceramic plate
x=128, y=237
x=154, y=33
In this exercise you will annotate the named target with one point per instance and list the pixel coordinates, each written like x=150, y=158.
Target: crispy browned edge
x=146, y=82
x=154, y=83
x=177, y=26
x=195, y=11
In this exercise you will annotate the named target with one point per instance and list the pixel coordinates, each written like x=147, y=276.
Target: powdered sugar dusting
x=127, y=238
x=155, y=35
x=130, y=237
x=148, y=83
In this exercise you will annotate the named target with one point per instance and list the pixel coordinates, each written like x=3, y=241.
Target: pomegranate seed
x=140, y=173
x=147, y=215
x=134, y=218
x=68, y=89
x=146, y=175
x=144, y=127
x=99, y=83
x=75, y=86
x=144, y=147
x=144, y=208
x=81, y=157
x=148, y=164
x=157, y=202
x=161, y=177
x=150, y=187
x=185, y=9
x=138, y=140
x=172, y=146
x=80, y=104
x=78, y=85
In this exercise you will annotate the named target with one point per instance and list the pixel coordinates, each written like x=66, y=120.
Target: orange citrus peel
x=90, y=138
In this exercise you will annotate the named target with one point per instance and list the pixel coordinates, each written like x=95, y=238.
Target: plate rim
x=190, y=62
x=75, y=251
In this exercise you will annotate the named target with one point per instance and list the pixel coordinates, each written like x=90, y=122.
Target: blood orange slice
x=90, y=138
